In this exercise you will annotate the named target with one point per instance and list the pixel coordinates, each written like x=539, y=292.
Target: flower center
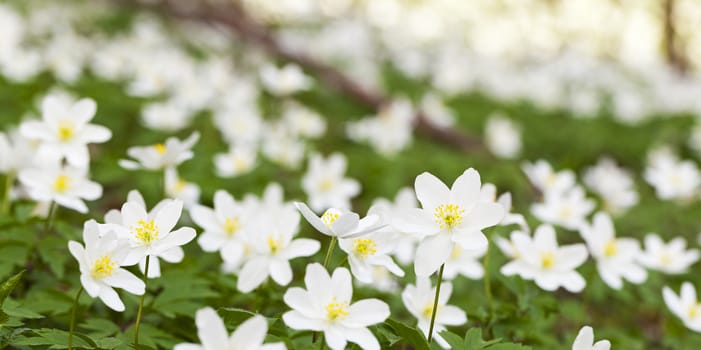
x=610, y=249
x=565, y=213
x=448, y=215
x=457, y=251
x=363, y=247
x=694, y=310
x=231, y=225
x=336, y=310
x=326, y=185
x=273, y=244
x=62, y=183
x=66, y=130
x=103, y=267
x=547, y=260
x=160, y=148
x=329, y=217
x=428, y=310
x=145, y=231
x=665, y=259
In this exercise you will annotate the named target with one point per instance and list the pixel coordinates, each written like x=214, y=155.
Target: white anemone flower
x=568, y=209
x=550, y=266
x=284, y=81
x=613, y=183
x=272, y=249
x=585, y=341
x=249, y=335
x=448, y=217
x=615, y=257
x=406, y=242
x=488, y=193
x=100, y=270
x=325, y=184
x=66, y=185
x=464, y=262
x=152, y=234
x=65, y=131
x=369, y=250
x=325, y=306
x=502, y=136
x=338, y=223
x=238, y=161
x=419, y=300
x=176, y=187
x=224, y=226
x=685, y=305
x=546, y=180
x=672, y=178
x=161, y=155
x=671, y=258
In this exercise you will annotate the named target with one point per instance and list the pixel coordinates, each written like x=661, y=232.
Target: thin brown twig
x=234, y=17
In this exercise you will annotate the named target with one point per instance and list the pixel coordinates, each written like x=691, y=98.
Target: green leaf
x=411, y=335
x=454, y=340
x=100, y=327
x=508, y=346
x=53, y=252
x=5, y=290
x=56, y=339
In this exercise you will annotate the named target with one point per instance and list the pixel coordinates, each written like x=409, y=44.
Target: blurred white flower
x=488, y=193
x=673, y=178
x=176, y=187
x=325, y=184
x=671, y=258
x=284, y=81
x=338, y=223
x=325, y=306
x=369, y=250
x=614, y=184
x=303, y=122
x=464, y=262
x=585, y=341
x=546, y=180
x=419, y=299
x=550, y=266
x=238, y=161
x=166, y=116
x=406, y=242
x=568, y=209
x=616, y=258
x=388, y=132
x=100, y=266
x=66, y=185
x=436, y=111
x=213, y=335
x=16, y=152
x=162, y=155
x=502, y=136
x=65, y=131
x=685, y=305
x=447, y=217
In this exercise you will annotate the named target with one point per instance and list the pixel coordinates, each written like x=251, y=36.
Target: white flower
x=100, y=270
x=542, y=176
x=370, y=250
x=672, y=258
x=488, y=193
x=338, y=223
x=272, y=249
x=382, y=280
x=238, y=161
x=150, y=234
x=168, y=116
x=67, y=186
x=464, y=262
x=448, y=217
x=673, y=179
x=585, y=341
x=161, y=155
x=388, y=132
x=326, y=306
x=613, y=184
x=284, y=81
x=224, y=226
x=240, y=126
x=176, y=187
x=325, y=184
x=419, y=300
x=436, y=112
x=17, y=152
x=406, y=242
x=510, y=249
x=541, y=259
x=303, y=122
x=502, y=136
x=615, y=257
x=568, y=209
x=64, y=130
x=249, y=335
x=685, y=305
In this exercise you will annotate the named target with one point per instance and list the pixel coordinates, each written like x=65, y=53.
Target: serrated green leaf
x=53, y=252
x=56, y=339
x=411, y=335
x=454, y=340
x=7, y=286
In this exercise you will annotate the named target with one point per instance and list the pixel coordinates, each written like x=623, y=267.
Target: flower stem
x=9, y=180
x=72, y=326
x=435, y=303
x=488, y=285
x=329, y=252
x=50, y=217
x=141, y=306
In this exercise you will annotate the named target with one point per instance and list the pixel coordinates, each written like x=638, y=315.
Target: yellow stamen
x=428, y=310
x=457, y=251
x=610, y=248
x=231, y=225
x=160, y=148
x=62, y=183
x=336, y=310
x=146, y=231
x=329, y=217
x=273, y=244
x=65, y=130
x=547, y=260
x=364, y=247
x=103, y=267
x=448, y=215
x=694, y=310
x=326, y=185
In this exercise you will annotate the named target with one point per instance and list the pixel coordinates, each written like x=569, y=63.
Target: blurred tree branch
x=674, y=51
x=232, y=15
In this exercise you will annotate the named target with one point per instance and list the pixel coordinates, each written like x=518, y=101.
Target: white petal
x=296, y=320
x=111, y=299
x=252, y=275
x=313, y=220
x=431, y=253
x=211, y=329
x=466, y=189
x=281, y=271
x=366, y=312
x=250, y=334
x=362, y=337
x=126, y=280
x=431, y=191
x=584, y=340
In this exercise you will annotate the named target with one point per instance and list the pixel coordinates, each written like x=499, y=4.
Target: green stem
x=50, y=217
x=9, y=180
x=323, y=343
x=488, y=285
x=72, y=327
x=329, y=252
x=141, y=306
x=435, y=303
